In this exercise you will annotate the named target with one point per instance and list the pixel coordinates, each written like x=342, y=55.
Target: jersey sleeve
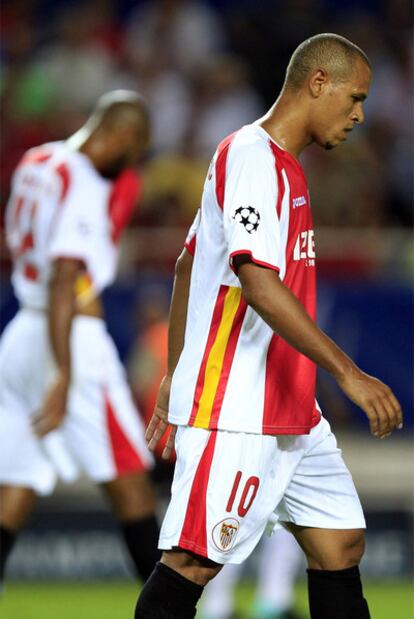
x=250, y=221
x=191, y=238
x=79, y=227
x=125, y=194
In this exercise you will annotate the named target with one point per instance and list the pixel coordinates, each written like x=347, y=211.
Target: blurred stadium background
x=207, y=68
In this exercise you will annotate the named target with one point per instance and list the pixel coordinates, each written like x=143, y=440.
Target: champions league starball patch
x=248, y=216
x=224, y=534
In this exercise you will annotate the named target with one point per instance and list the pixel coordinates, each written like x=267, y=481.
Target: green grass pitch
x=116, y=600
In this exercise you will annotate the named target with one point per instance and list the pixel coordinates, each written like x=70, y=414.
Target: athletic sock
x=168, y=595
x=336, y=594
x=7, y=539
x=141, y=537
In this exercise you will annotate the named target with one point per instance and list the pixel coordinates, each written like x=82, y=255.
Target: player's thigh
x=224, y=491
x=330, y=549
x=103, y=428
x=322, y=505
x=23, y=374
x=321, y=493
x=16, y=504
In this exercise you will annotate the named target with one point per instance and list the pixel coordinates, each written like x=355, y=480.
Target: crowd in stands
x=206, y=69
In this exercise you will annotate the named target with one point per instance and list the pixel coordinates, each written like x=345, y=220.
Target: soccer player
x=64, y=400
x=251, y=442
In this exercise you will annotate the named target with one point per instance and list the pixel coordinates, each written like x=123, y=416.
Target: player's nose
x=358, y=114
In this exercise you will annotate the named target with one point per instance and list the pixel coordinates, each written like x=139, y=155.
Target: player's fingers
x=397, y=410
x=41, y=425
x=372, y=418
x=385, y=421
x=151, y=428
x=169, y=446
x=157, y=435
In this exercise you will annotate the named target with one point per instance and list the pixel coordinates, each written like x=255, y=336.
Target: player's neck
x=285, y=122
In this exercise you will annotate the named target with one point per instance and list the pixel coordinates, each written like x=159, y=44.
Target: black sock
x=141, y=537
x=336, y=594
x=168, y=595
x=7, y=538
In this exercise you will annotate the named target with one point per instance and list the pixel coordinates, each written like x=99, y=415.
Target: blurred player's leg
x=133, y=502
x=218, y=598
x=16, y=504
x=279, y=561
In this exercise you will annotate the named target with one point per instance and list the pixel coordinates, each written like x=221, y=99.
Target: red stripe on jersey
x=214, y=326
x=227, y=362
x=194, y=532
x=289, y=399
x=126, y=191
x=191, y=245
x=126, y=458
x=222, y=153
x=280, y=182
x=63, y=171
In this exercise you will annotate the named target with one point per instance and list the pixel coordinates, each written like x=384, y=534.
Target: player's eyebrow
x=359, y=96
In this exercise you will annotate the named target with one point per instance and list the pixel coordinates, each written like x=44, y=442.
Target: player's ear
x=317, y=83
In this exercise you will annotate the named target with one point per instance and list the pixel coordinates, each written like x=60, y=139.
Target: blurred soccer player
x=64, y=401
x=240, y=389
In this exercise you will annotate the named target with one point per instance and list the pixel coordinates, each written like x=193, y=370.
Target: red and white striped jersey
x=61, y=207
x=234, y=372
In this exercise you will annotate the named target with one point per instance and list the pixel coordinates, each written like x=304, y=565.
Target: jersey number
x=26, y=236
x=304, y=246
x=247, y=497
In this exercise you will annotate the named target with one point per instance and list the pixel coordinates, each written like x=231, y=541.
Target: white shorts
x=229, y=486
x=102, y=433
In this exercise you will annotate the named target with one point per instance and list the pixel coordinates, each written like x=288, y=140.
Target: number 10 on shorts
x=247, y=496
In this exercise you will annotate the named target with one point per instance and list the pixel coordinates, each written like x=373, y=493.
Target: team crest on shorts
x=224, y=533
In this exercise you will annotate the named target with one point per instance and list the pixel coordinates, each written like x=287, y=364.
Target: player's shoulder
x=40, y=154
x=252, y=145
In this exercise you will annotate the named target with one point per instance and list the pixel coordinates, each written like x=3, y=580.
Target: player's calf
x=175, y=586
x=336, y=593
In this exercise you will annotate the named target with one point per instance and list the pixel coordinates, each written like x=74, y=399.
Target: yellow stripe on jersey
x=215, y=359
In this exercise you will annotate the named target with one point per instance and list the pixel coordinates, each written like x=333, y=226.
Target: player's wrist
x=64, y=373
x=345, y=370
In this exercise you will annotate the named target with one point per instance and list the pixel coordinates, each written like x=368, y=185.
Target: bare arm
x=282, y=311
x=61, y=310
x=176, y=330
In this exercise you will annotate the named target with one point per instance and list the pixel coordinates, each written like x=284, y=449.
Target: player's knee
x=199, y=570
x=345, y=553
x=354, y=548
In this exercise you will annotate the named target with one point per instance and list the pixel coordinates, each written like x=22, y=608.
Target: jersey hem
x=268, y=430
x=261, y=263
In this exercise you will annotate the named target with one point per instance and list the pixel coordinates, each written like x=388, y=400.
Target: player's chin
x=330, y=144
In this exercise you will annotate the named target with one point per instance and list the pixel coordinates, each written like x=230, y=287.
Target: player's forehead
x=360, y=78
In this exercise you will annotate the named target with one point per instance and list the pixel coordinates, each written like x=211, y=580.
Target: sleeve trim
x=239, y=252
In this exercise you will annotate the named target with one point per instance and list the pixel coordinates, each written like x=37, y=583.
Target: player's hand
x=53, y=410
x=158, y=424
x=376, y=399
